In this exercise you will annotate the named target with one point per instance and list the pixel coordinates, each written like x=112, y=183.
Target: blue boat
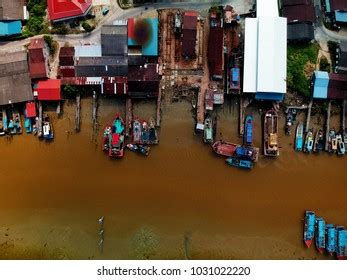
x=309, y=226
x=331, y=236
x=320, y=235
x=299, y=137
x=4, y=119
x=240, y=163
x=341, y=248
x=248, y=130
x=28, y=126
x=2, y=125
x=309, y=142
x=247, y=153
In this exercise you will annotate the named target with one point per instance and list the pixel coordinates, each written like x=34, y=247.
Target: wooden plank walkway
x=327, y=127
x=128, y=116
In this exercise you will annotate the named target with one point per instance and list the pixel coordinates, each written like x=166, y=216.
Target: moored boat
x=341, y=248
x=28, y=125
x=141, y=149
x=137, y=131
x=271, y=134
x=4, y=119
x=2, y=130
x=309, y=227
x=106, y=138
x=239, y=163
x=320, y=235
x=248, y=130
x=331, y=237
x=308, y=142
x=153, y=133
x=17, y=122
x=208, y=130
x=318, y=141
x=299, y=137
x=290, y=119
x=47, y=128
x=116, y=145
x=248, y=153
x=332, y=142
x=224, y=148
x=341, y=150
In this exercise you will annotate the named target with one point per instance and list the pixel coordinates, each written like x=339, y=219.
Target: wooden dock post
x=78, y=112
x=128, y=116
x=39, y=121
x=327, y=127
x=158, y=120
x=308, y=119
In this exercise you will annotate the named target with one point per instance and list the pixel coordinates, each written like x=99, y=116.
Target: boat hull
x=225, y=149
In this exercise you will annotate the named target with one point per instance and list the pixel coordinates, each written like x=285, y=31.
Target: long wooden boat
x=309, y=142
x=331, y=238
x=299, y=142
x=4, y=120
x=341, y=248
x=309, y=227
x=239, y=163
x=2, y=128
x=318, y=141
x=225, y=149
x=116, y=144
x=208, y=130
x=17, y=122
x=136, y=131
x=320, y=235
x=248, y=130
x=271, y=134
x=247, y=152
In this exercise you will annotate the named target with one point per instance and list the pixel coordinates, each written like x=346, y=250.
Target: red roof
x=37, y=60
x=64, y=9
x=30, y=109
x=48, y=90
x=190, y=20
x=215, y=51
x=301, y=13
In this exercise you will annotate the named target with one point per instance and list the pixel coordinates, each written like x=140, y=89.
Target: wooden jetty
x=39, y=121
x=128, y=116
x=78, y=113
x=308, y=119
x=327, y=127
x=158, y=119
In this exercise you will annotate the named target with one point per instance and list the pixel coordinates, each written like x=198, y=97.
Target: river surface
x=182, y=201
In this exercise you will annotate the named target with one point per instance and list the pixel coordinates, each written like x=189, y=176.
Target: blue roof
x=151, y=47
x=9, y=28
x=320, y=87
x=327, y=5
x=276, y=96
x=341, y=16
x=235, y=74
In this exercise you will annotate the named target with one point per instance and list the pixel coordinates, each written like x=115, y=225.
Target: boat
x=239, y=163
x=248, y=130
x=341, y=248
x=309, y=226
x=290, y=119
x=106, y=138
x=4, y=120
x=116, y=145
x=341, y=150
x=17, y=122
x=208, y=130
x=137, y=131
x=248, y=153
x=318, y=141
x=299, y=142
x=47, y=128
x=320, y=235
x=153, y=134
x=332, y=143
x=224, y=148
x=308, y=142
x=141, y=149
x=331, y=237
x=28, y=125
x=2, y=130
x=271, y=134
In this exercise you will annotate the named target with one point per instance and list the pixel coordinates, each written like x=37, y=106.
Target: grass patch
x=299, y=57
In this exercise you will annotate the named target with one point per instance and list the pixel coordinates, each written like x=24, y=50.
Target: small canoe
x=299, y=137
x=224, y=148
x=239, y=163
x=141, y=149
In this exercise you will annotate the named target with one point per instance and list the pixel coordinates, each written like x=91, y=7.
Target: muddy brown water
x=182, y=201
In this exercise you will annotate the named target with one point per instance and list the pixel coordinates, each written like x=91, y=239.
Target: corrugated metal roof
x=300, y=32
x=320, y=86
x=10, y=28
x=189, y=43
x=341, y=16
x=114, y=40
x=215, y=51
x=190, y=20
x=48, y=90
x=13, y=9
x=88, y=51
x=267, y=8
x=338, y=5
x=301, y=13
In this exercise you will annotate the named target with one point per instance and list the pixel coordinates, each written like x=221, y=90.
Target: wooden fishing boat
x=116, y=144
x=309, y=227
x=153, y=133
x=247, y=152
x=341, y=248
x=331, y=238
x=47, y=128
x=299, y=142
x=17, y=122
x=107, y=137
x=271, y=134
x=320, y=235
x=309, y=142
x=4, y=120
x=208, y=130
x=331, y=139
x=137, y=131
x=341, y=150
x=239, y=163
x=2, y=130
x=290, y=119
x=225, y=149
x=248, y=136
x=318, y=141
x=141, y=149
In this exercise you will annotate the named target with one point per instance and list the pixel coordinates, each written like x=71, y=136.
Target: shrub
x=324, y=64
x=87, y=27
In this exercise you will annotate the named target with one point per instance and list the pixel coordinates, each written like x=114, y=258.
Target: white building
x=265, y=63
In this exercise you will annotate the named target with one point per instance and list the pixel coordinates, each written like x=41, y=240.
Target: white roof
x=265, y=61
x=88, y=51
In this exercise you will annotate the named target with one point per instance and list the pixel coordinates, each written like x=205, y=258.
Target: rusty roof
x=190, y=21
x=11, y=9
x=301, y=13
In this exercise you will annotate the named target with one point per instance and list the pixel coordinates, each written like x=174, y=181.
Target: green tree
x=87, y=27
